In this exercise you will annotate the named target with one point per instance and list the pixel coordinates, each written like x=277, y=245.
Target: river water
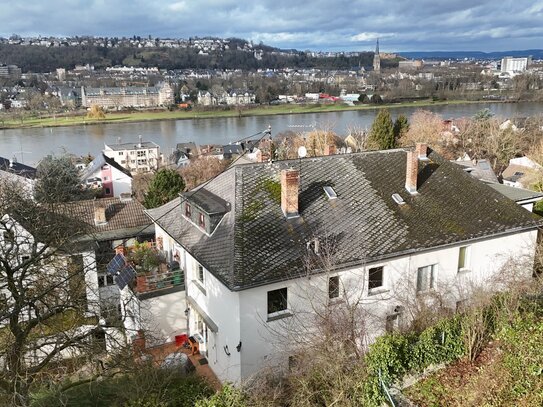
x=33, y=144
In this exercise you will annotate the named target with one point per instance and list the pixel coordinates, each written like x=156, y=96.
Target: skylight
x=398, y=199
x=330, y=193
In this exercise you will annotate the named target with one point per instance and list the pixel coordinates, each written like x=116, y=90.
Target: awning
x=209, y=322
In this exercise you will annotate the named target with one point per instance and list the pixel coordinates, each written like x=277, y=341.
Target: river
x=32, y=144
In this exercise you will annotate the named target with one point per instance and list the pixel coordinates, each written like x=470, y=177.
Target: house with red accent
x=105, y=173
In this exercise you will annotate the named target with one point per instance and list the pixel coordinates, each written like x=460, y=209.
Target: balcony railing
x=150, y=285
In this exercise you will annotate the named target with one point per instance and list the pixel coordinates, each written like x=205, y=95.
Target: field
x=21, y=121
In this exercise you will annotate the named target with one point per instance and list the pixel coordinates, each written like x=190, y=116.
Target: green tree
x=381, y=135
x=58, y=181
x=164, y=187
x=401, y=126
x=229, y=396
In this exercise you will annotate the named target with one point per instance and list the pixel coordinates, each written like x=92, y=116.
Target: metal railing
x=160, y=281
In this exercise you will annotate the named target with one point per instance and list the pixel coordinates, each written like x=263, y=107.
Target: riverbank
x=134, y=117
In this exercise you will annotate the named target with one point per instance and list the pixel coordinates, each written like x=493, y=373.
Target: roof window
x=398, y=199
x=330, y=193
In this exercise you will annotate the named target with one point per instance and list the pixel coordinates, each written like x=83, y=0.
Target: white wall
x=265, y=343
x=163, y=317
x=122, y=183
x=222, y=305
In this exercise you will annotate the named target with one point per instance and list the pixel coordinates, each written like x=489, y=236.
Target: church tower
x=377, y=59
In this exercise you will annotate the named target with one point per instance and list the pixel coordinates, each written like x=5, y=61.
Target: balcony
x=155, y=276
x=160, y=282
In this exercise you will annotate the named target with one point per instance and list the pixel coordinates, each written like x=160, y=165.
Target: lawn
x=509, y=372
x=41, y=121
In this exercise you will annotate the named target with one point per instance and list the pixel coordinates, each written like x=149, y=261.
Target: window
x=105, y=178
x=121, y=152
x=142, y=153
x=277, y=301
x=132, y=152
x=200, y=274
x=463, y=258
x=188, y=211
x=333, y=287
x=105, y=280
x=202, y=221
x=375, y=278
x=108, y=191
x=426, y=277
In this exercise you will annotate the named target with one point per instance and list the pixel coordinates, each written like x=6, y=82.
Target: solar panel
x=116, y=264
x=125, y=276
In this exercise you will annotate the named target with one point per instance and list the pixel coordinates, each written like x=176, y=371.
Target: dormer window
x=202, y=221
x=187, y=211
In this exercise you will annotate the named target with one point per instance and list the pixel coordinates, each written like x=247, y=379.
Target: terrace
x=154, y=275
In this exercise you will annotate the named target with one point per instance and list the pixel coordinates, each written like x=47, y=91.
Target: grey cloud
x=318, y=24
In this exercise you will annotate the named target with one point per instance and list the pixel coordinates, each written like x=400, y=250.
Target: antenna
x=20, y=152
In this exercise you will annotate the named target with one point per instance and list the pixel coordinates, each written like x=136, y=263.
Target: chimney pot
x=290, y=184
x=411, y=172
x=330, y=149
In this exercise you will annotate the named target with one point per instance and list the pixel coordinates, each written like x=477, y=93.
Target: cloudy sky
x=401, y=25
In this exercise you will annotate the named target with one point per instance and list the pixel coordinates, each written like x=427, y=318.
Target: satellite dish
x=302, y=152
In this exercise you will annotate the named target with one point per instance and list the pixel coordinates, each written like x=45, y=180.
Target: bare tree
x=49, y=311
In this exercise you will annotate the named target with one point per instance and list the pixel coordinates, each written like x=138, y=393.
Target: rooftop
x=516, y=194
x=14, y=167
x=254, y=244
x=132, y=146
x=124, y=218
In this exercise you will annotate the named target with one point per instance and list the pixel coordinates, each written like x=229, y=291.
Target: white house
x=143, y=156
x=520, y=172
x=392, y=225
x=106, y=173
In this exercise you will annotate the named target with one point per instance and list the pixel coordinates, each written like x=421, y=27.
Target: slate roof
x=255, y=245
x=124, y=218
x=98, y=163
x=516, y=194
x=481, y=169
x=17, y=168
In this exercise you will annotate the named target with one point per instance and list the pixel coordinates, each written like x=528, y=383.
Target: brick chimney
x=421, y=149
x=412, y=172
x=100, y=215
x=329, y=149
x=290, y=184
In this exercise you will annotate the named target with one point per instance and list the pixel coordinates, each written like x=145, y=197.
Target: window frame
x=431, y=278
x=333, y=289
x=201, y=220
x=277, y=306
x=466, y=260
x=376, y=288
x=188, y=210
x=200, y=274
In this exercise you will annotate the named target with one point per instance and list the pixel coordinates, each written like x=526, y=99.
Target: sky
x=327, y=25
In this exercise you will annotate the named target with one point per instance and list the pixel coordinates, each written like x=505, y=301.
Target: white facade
x=510, y=64
x=142, y=157
x=223, y=319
